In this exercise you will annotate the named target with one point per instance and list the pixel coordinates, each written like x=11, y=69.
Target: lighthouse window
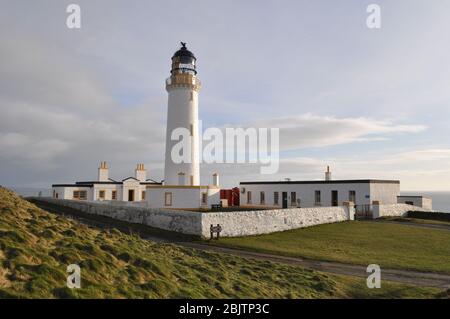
x=204, y=198
x=262, y=198
x=249, y=197
x=192, y=96
x=191, y=129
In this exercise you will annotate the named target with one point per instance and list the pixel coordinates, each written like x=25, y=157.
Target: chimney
x=141, y=173
x=328, y=174
x=215, y=178
x=103, y=172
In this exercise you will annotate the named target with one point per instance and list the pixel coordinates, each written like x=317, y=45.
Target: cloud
x=58, y=121
x=310, y=130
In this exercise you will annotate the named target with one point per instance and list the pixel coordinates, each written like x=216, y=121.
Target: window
x=293, y=198
x=249, y=197
x=317, y=198
x=101, y=194
x=57, y=195
x=191, y=129
x=191, y=98
x=352, y=196
x=276, y=198
x=262, y=198
x=81, y=195
x=168, y=199
x=192, y=180
x=54, y=194
x=114, y=195
x=143, y=195
x=204, y=198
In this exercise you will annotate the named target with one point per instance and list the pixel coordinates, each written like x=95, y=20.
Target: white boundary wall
x=395, y=210
x=239, y=223
x=245, y=223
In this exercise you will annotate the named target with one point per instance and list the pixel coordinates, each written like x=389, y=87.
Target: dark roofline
x=97, y=182
x=72, y=185
x=91, y=184
x=414, y=196
x=130, y=177
x=346, y=181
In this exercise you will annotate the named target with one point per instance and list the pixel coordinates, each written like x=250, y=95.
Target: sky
x=371, y=103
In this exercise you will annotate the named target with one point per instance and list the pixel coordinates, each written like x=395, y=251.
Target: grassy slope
x=388, y=245
x=36, y=247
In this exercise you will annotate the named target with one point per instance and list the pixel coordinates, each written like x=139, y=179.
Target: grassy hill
x=36, y=247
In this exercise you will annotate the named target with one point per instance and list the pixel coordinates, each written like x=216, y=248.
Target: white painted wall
x=385, y=193
x=197, y=223
x=182, y=197
x=246, y=223
x=365, y=193
x=182, y=111
x=395, y=210
x=67, y=192
x=419, y=201
x=305, y=192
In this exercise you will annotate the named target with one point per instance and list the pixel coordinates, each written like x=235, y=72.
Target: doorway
x=131, y=195
x=334, y=198
x=285, y=200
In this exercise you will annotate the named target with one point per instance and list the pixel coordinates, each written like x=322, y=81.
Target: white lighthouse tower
x=183, y=87
x=181, y=188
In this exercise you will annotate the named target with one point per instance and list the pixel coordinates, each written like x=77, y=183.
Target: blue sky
x=369, y=103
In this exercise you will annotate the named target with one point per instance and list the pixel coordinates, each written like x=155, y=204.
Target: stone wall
x=178, y=221
x=395, y=210
x=245, y=223
x=239, y=223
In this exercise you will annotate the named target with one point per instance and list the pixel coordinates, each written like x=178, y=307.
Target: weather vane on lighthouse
x=183, y=44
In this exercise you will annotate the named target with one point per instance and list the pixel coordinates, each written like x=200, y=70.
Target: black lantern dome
x=183, y=61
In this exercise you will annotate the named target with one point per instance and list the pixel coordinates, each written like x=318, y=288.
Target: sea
x=441, y=200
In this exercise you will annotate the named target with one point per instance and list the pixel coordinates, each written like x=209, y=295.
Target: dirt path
x=425, y=279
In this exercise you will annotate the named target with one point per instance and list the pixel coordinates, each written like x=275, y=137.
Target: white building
x=182, y=189
x=131, y=189
x=420, y=201
x=328, y=192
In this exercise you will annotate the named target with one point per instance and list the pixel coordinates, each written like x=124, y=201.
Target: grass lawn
x=36, y=247
x=358, y=242
x=416, y=220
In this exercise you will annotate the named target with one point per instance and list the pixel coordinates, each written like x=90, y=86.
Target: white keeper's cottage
x=130, y=189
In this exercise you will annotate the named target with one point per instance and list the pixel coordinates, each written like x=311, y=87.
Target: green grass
x=416, y=220
x=364, y=243
x=36, y=247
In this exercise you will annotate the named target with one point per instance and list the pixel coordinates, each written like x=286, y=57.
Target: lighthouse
x=182, y=87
